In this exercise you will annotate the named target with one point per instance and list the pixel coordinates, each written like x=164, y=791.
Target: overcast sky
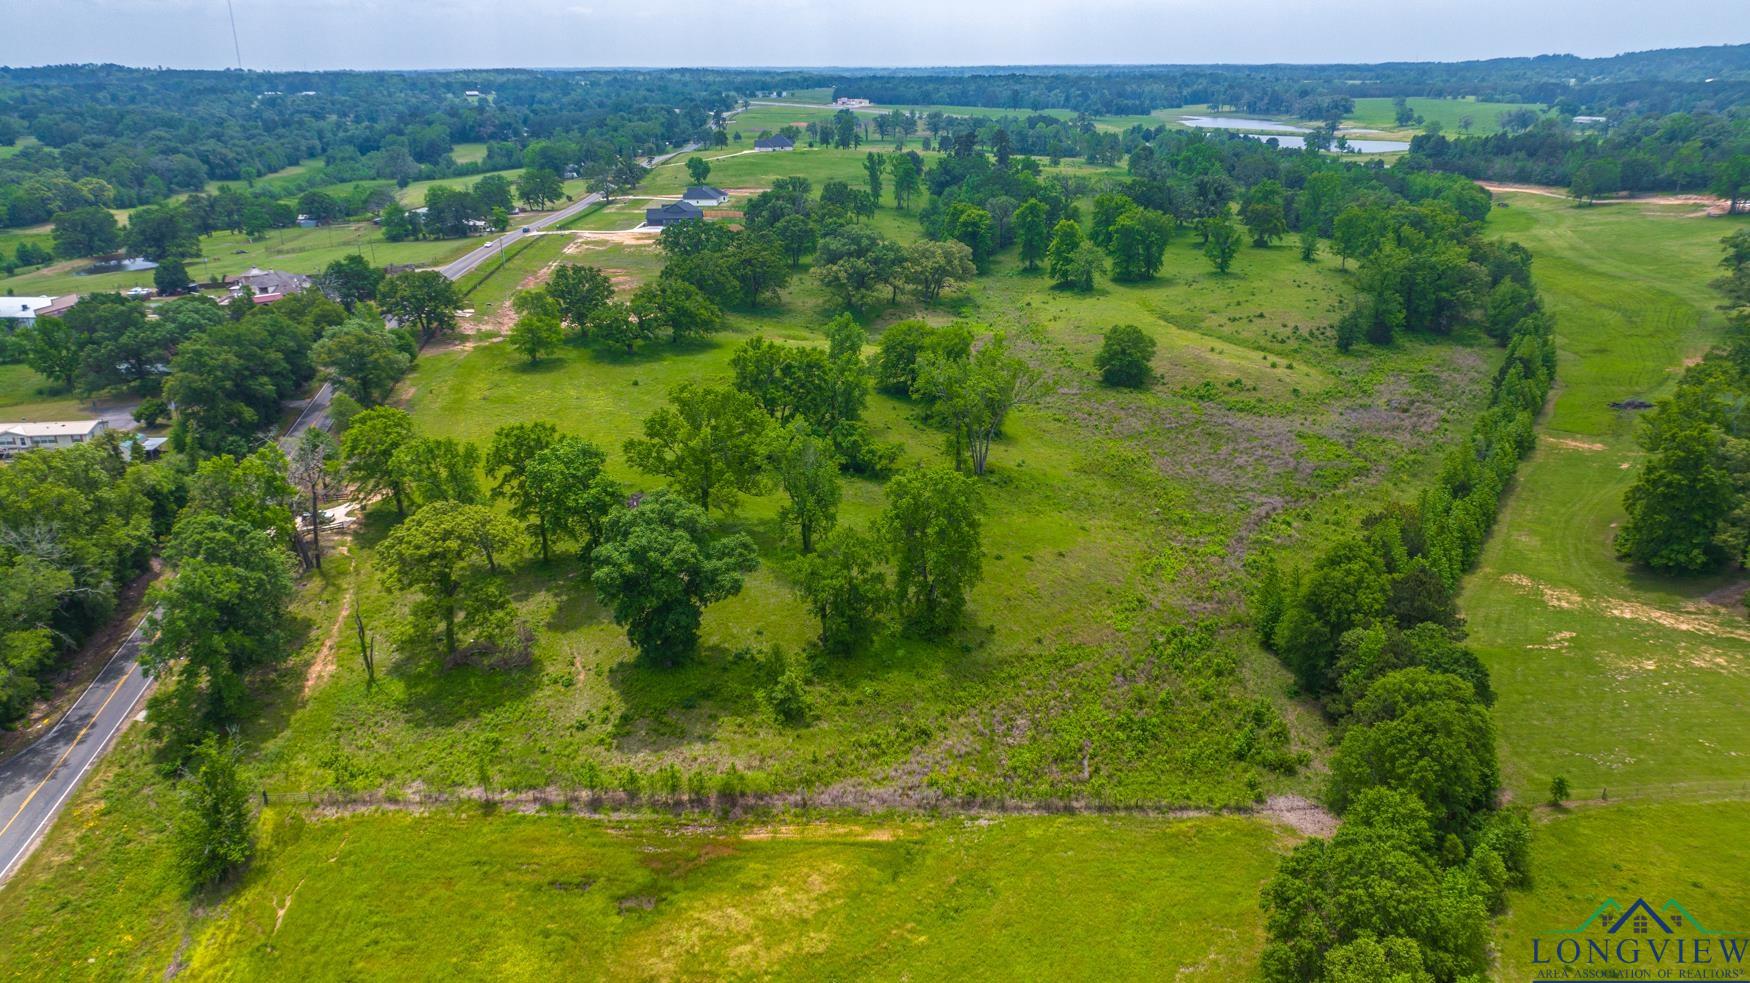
x=314, y=34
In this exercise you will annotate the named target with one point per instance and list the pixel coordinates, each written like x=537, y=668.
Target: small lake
x=134, y=265
x=1241, y=123
x=1354, y=147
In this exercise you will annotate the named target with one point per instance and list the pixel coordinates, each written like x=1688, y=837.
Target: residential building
x=22, y=312
x=266, y=286
x=16, y=438
x=779, y=142
x=705, y=196
x=669, y=214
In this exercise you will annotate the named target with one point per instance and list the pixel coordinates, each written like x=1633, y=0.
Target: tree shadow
x=667, y=707
x=546, y=365
x=441, y=696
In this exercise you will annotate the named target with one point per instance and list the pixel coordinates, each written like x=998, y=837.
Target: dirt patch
x=1557, y=641
x=641, y=236
x=1301, y=814
x=1573, y=445
x=1635, y=611
x=1555, y=597
x=323, y=665
x=819, y=830
x=1692, y=622
x=1729, y=596
x=1710, y=205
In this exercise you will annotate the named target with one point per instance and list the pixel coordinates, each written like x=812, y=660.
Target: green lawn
x=1379, y=113
x=1612, y=677
x=546, y=896
x=293, y=250
x=1693, y=853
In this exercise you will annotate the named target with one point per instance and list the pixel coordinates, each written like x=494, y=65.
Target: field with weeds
x=623, y=898
x=1116, y=526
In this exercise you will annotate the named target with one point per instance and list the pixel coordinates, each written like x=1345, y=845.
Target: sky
x=324, y=34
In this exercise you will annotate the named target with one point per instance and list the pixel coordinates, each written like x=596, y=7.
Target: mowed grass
x=292, y=250
x=460, y=894
x=1691, y=852
x=1612, y=677
x=1380, y=113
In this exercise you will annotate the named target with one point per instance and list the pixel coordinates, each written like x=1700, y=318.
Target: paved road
x=37, y=781
x=461, y=267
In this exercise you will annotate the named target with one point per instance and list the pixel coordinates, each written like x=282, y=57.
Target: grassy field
x=1379, y=113
x=1111, y=518
x=599, y=899
x=1612, y=677
x=1694, y=853
x=1105, y=657
x=293, y=250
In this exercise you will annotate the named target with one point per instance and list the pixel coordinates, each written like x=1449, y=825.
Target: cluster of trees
x=1371, y=628
x=1689, y=508
x=455, y=212
x=1681, y=152
x=1666, y=80
x=182, y=130
x=967, y=384
x=1423, y=269
x=654, y=559
x=79, y=523
x=228, y=369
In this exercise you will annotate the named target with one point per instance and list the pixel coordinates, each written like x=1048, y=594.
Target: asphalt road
x=38, y=781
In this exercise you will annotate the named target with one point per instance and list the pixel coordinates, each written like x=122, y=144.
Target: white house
x=705, y=196
x=21, y=312
x=16, y=438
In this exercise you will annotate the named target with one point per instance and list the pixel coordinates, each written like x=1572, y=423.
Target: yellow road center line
x=63, y=758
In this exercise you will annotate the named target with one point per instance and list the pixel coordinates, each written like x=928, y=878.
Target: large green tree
x=368, y=451
x=657, y=568
x=437, y=553
x=424, y=301
x=932, y=530
x=709, y=441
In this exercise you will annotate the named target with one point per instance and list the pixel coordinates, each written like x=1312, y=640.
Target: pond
x=1354, y=146
x=1241, y=123
x=133, y=265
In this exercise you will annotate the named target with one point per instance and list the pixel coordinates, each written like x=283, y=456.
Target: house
x=779, y=142
x=1590, y=120
x=16, y=438
x=266, y=286
x=59, y=306
x=669, y=214
x=22, y=312
x=705, y=196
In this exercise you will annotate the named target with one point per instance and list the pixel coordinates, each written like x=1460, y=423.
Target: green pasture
x=1612, y=677
x=397, y=896
x=293, y=250
x=1379, y=113
x=1693, y=853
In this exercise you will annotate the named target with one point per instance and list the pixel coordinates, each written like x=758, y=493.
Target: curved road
x=36, y=782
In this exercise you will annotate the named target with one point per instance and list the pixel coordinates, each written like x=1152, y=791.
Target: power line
x=237, y=46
